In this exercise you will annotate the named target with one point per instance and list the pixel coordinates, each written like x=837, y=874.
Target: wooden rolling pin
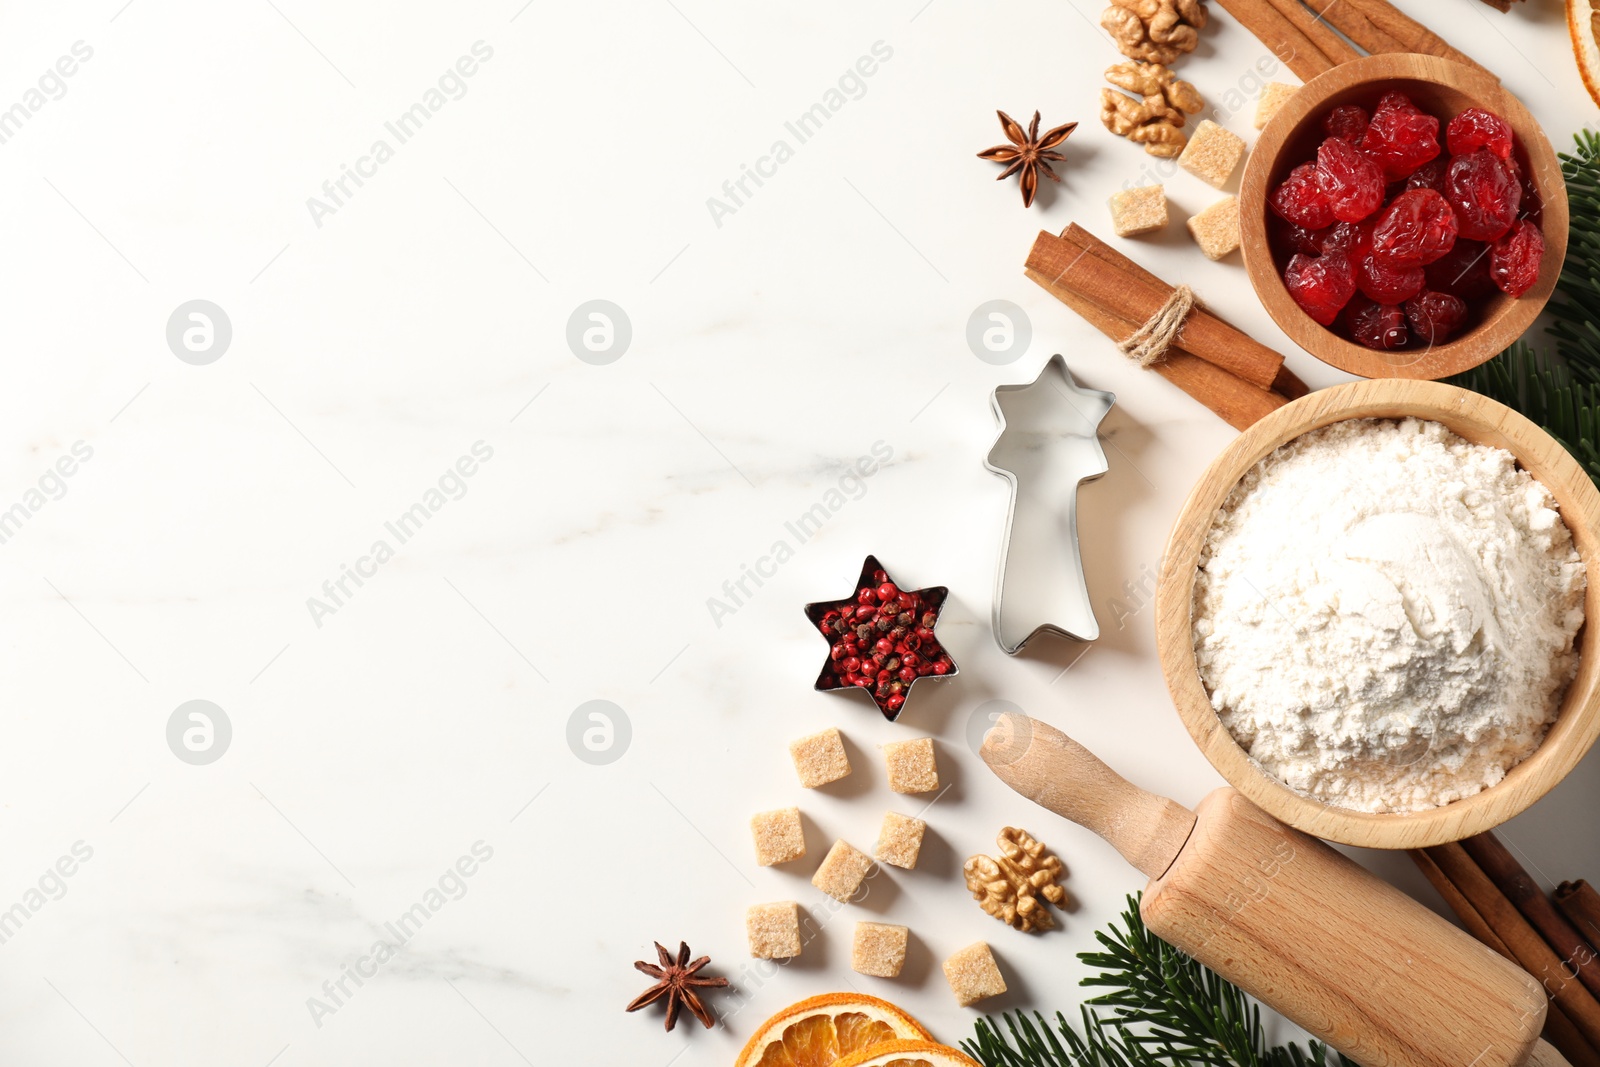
x=1286, y=918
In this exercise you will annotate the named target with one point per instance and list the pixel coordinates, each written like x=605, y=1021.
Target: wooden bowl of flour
x=1481, y=421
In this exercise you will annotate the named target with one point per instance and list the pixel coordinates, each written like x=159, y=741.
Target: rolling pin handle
x=1050, y=768
x=1545, y=1055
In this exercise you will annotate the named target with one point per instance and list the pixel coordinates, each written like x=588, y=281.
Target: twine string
x=1149, y=343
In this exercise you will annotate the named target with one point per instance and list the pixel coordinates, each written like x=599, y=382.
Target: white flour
x=1384, y=614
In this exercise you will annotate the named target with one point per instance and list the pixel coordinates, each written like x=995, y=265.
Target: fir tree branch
x=1161, y=1009
x=1559, y=388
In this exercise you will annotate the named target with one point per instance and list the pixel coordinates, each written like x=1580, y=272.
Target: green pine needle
x=1560, y=389
x=1161, y=1009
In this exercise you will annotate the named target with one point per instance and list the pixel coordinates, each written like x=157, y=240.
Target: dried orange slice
x=1583, y=24
x=820, y=1031
x=909, y=1054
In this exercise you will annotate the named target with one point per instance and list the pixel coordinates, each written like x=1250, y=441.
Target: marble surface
x=398, y=403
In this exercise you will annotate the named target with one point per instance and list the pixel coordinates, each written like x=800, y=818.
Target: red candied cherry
x=1401, y=137
x=1485, y=194
x=1354, y=239
x=1476, y=128
x=1380, y=326
x=1387, y=284
x=1293, y=237
x=1346, y=122
x=1321, y=285
x=1415, y=229
x=1352, y=182
x=1435, y=316
x=1514, y=260
x=1429, y=176
x=1463, y=271
x=1300, y=199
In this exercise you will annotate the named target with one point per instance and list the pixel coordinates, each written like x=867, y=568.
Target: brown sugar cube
x=820, y=758
x=973, y=974
x=1141, y=210
x=778, y=836
x=843, y=870
x=1216, y=229
x=1212, y=153
x=911, y=766
x=899, y=840
x=1273, y=96
x=879, y=949
x=774, y=930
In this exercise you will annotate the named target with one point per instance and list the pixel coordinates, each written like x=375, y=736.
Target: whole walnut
x=1145, y=122
x=1011, y=886
x=1155, y=31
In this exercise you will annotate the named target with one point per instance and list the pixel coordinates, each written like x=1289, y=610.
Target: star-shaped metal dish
x=887, y=645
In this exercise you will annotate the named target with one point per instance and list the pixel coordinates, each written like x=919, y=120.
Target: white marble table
x=398, y=532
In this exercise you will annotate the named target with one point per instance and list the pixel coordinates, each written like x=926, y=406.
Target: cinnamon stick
x=1580, y=903
x=1412, y=35
x=1511, y=879
x=1354, y=24
x=1234, y=400
x=1559, y=1029
x=1079, y=260
x=1281, y=36
x=1524, y=942
x=1330, y=44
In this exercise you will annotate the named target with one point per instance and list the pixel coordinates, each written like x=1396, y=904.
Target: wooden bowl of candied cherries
x=1403, y=216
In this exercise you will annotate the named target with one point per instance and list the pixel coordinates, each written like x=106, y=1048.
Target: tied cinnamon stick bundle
x=1235, y=401
x=1520, y=938
x=1080, y=261
x=1117, y=296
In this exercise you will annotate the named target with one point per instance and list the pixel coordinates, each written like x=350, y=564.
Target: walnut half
x=1156, y=119
x=1010, y=886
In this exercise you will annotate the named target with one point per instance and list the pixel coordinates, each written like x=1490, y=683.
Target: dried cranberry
x=1514, y=260
x=1429, y=176
x=1463, y=271
x=1353, y=183
x=1435, y=316
x=1346, y=122
x=1387, y=284
x=1380, y=326
x=1352, y=238
x=1321, y=285
x=1294, y=237
x=1415, y=229
x=1301, y=200
x=1476, y=128
x=1485, y=194
x=1401, y=137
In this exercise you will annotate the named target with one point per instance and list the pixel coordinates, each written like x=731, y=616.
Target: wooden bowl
x=1479, y=420
x=1442, y=88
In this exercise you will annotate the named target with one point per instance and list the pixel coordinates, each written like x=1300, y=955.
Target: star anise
x=676, y=980
x=1028, y=153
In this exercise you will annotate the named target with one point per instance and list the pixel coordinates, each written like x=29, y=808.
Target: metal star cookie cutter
x=1048, y=445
